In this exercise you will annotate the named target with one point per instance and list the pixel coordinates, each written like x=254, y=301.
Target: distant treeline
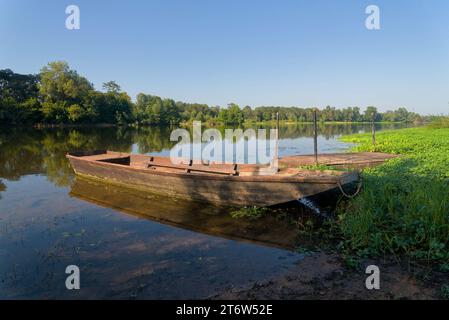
x=59, y=95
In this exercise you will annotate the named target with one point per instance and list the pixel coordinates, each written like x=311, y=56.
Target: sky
x=253, y=52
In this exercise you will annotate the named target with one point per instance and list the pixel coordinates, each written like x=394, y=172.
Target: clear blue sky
x=251, y=52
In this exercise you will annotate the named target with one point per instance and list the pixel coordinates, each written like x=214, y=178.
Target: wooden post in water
x=315, y=135
x=276, y=150
x=373, y=129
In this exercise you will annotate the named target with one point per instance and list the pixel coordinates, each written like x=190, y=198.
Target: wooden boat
x=228, y=184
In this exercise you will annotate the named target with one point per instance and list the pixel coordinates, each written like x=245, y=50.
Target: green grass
x=404, y=206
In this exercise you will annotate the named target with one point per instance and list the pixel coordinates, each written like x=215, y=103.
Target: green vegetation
x=404, y=206
x=249, y=212
x=18, y=98
x=439, y=122
x=59, y=95
x=150, y=110
x=231, y=115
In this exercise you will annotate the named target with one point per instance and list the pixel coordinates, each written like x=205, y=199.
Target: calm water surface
x=126, y=244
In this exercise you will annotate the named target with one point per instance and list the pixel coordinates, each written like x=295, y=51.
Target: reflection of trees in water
x=33, y=151
x=153, y=139
x=328, y=131
x=304, y=130
x=19, y=154
x=58, y=142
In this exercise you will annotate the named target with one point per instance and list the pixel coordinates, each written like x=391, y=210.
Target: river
x=126, y=244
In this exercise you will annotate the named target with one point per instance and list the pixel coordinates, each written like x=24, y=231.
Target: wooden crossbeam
x=195, y=168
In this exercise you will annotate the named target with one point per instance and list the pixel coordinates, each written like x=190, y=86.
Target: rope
x=359, y=187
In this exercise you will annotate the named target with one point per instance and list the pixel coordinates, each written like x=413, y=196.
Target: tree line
x=59, y=95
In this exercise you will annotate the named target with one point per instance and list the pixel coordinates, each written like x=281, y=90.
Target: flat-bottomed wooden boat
x=225, y=184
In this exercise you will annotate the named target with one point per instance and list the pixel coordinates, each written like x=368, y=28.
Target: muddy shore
x=324, y=276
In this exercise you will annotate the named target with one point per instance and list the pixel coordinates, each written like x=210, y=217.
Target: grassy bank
x=404, y=207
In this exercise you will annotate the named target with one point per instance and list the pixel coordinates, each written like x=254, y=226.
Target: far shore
x=212, y=124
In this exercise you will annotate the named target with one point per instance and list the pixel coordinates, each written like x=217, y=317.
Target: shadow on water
x=190, y=215
x=145, y=253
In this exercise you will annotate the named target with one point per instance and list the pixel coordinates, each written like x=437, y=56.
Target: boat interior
x=179, y=165
x=165, y=164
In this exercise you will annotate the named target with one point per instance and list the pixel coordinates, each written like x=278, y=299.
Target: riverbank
x=399, y=222
x=207, y=123
x=403, y=209
x=324, y=276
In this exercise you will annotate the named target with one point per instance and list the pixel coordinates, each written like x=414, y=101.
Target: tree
x=64, y=94
x=150, y=110
x=329, y=114
x=402, y=115
x=248, y=113
x=20, y=87
x=18, y=98
x=113, y=106
x=171, y=110
x=59, y=95
x=371, y=114
x=356, y=116
x=111, y=87
x=231, y=115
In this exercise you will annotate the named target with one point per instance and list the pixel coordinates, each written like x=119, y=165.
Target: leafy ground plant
x=404, y=207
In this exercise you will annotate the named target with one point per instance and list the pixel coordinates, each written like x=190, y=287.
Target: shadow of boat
x=194, y=216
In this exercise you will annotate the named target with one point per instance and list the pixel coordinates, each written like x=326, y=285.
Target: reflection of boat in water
x=230, y=184
x=184, y=214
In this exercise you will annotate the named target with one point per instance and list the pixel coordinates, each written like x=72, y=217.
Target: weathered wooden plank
x=338, y=159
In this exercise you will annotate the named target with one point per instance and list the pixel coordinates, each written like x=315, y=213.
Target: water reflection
x=33, y=151
x=2, y=188
x=43, y=230
x=189, y=215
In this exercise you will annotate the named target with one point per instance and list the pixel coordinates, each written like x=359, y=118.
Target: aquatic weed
x=249, y=212
x=404, y=206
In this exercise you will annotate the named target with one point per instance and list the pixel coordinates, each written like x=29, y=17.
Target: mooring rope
x=350, y=196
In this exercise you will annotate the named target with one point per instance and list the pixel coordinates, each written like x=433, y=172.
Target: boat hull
x=218, y=189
